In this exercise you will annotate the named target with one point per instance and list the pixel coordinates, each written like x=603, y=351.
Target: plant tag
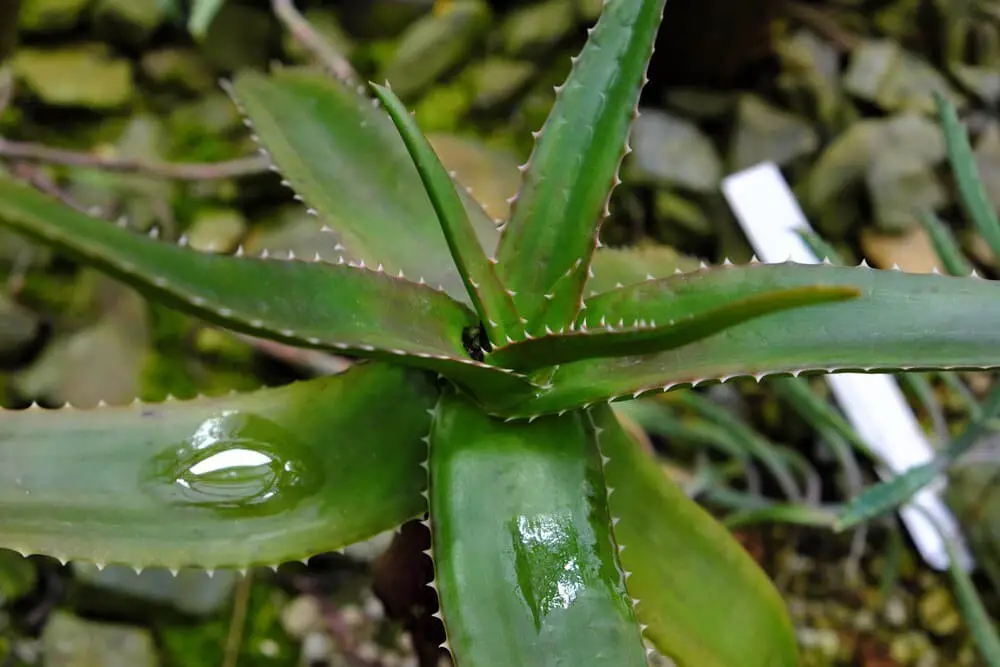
x=769, y=215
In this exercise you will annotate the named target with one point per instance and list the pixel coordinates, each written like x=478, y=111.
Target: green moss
x=264, y=642
x=443, y=108
x=75, y=76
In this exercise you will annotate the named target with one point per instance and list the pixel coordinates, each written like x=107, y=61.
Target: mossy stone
x=85, y=75
x=50, y=15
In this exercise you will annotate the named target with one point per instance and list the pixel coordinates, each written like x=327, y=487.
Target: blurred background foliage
x=115, y=106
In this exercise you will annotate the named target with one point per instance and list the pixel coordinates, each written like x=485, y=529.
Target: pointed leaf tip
x=956, y=318
x=495, y=307
x=251, y=295
x=548, y=244
x=379, y=207
x=659, y=315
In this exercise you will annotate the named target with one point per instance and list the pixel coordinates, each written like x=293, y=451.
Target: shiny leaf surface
x=259, y=478
x=311, y=304
x=344, y=157
x=705, y=601
x=526, y=569
x=900, y=321
x=546, y=248
x=658, y=315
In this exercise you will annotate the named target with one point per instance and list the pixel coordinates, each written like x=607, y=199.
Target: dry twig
x=30, y=152
x=306, y=35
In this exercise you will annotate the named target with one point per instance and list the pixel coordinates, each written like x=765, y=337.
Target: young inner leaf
x=491, y=300
x=604, y=338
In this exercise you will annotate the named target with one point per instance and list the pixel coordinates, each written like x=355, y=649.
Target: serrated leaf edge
x=616, y=544
x=616, y=180
x=173, y=568
x=427, y=523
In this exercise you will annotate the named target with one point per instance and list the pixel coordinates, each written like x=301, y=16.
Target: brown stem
x=313, y=42
x=312, y=362
x=37, y=179
x=6, y=87
x=824, y=24
x=30, y=152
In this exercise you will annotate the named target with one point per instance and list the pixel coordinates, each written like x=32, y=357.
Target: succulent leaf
x=526, y=568
x=311, y=304
x=658, y=315
x=613, y=268
x=494, y=305
x=546, y=248
x=900, y=322
x=704, y=601
x=344, y=157
x=312, y=466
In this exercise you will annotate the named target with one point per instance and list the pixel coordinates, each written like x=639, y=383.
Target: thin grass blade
x=818, y=412
x=980, y=623
x=751, y=442
x=801, y=515
x=945, y=245
x=970, y=185
x=888, y=496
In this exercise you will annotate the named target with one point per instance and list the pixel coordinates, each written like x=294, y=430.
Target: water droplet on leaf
x=238, y=463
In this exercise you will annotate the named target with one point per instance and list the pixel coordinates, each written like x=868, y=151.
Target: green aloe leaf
x=344, y=157
x=713, y=297
x=494, y=305
x=259, y=478
x=900, y=322
x=704, y=601
x=525, y=563
x=664, y=314
x=311, y=304
x=546, y=248
x=618, y=267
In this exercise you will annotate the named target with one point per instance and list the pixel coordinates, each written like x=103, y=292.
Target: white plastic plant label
x=772, y=219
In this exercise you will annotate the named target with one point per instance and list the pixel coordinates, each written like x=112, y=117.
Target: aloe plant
x=487, y=354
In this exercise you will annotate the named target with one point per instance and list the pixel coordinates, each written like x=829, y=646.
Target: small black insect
x=475, y=341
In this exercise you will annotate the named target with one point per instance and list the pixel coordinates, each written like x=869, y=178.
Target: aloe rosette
x=496, y=348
